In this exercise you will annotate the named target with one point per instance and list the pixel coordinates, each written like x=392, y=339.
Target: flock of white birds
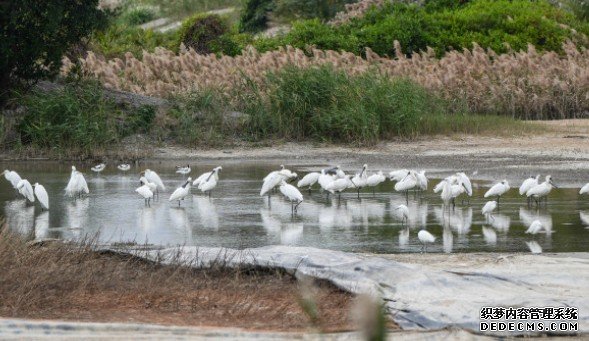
x=330, y=180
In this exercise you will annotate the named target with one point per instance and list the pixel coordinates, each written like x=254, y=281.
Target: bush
x=203, y=33
x=116, y=40
x=254, y=17
x=325, y=104
x=36, y=34
x=78, y=117
x=138, y=15
x=579, y=7
x=308, y=9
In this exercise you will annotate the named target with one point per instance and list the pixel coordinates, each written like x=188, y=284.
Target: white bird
x=309, y=180
x=403, y=212
x=422, y=180
x=584, y=189
x=398, y=175
x=407, y=183
x=145, y=190
x=535, y=227
x=359, y=180
x=529, y=183
x=340, y=185
x=375, y=180
x=286, y=173
x=124, y=167
x=465, y=182
x=98, y=168
x=24, y=187
x=272, y=173
x=498, y=190
x=325, y=179
x=41, y=195
x=183, y=169
x=270, y=181
x=152, y=187
x=152, y=176
x=337, y=172
x=542, y=190
x=181, y=192
x=534, y=247
x=292, y=194
x=489, y=207
x=425, y=237
x=211, y=182
x=12, y=177
x=77, y=184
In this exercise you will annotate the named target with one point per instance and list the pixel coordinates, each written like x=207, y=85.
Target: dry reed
x=525, y=84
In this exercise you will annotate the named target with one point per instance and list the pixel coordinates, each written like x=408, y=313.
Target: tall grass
x=525, y=84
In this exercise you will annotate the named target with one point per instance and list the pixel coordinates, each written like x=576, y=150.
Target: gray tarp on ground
x=418, y=295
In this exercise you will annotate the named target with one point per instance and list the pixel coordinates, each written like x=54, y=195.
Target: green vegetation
x=579, y=7
x=35, y=35
x=116, y=40
x=137, y=15
x=254, y=17
x=443, y=26
x=211, y=33
x=79, y=116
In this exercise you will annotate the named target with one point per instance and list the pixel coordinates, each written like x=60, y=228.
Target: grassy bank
x=73, y=282
x=321, y=104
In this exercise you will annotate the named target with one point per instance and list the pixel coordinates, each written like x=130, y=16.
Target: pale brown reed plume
x=525, y=84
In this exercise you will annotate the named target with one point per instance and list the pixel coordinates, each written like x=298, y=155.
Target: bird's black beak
x=553, y=184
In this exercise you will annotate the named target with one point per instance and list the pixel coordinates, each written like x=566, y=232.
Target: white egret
x=98, y=168
x=535, y=227
x=422, y=180
x=292, y=194
x=152, y=176
x=124, y=167
x=375, y=180
x=183, y=169
x=24, y=187
x=542, y=190
x=77, y=184
x=584, y=189
x=529, y=183
x=465, y=183
x=402, y=211
x=309, y=180
x=498, y=190
x=152, y=187
x=12, y=177
x=211, y=182
x=181, y=192
x=359, y=180
x=425, y=237
x=41, y=195
x=488, y=209
x=398, y=175
x=145, y=190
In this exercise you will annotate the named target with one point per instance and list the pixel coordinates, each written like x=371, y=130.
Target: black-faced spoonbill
x=542, y=190
x=145, y=190
x=498, y=189
x=309, y=180
x=124, y=167
x=340, y=185
x=41, y=195
x=98, y=168
x=402, y=211
x=211, y=181
x=181, y=192
x=375, y=180
x=152, y=176
x=584, y=189
x=292, y=194
x=184, y=170
x=359, y=180
x=425, y=237
x=488, y=209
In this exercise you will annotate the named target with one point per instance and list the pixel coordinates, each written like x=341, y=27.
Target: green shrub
x=116, y=40
x=78, y=116
x=325, y=104
x=203, y=33
x=579, y=7
x=138, y=15
x=34, y=35
x=254, y=16
x=308, y=9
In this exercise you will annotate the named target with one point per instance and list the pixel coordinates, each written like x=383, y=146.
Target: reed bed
x=525, y=84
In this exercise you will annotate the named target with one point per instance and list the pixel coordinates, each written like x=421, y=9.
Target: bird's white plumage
x=183, y=169
x=498, y=189
x=271, y=181
x=145, y=191
x=124, y=167
x=489, y=207
x=211, y=182
x=325, y=179
x=309, y=180
x=12, y=177
x=426, y=237
x=359, y=179
x=584, y=189
x=375, y=179
x=407, y=183
x=181, y=192
x=98, y=168
x=402, y=211
x=201, y=178
x=339, y=185
x=153, y=177
x=465, y=182
x=542, y=189
x=535, y=227
x=152, y=187
x=528, y=183
x=41, y=195
x=398, y=175
x=291, y=192
x=422, y=180
x=24, y=187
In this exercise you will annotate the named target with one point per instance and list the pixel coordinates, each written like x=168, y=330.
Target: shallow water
x=236, y=216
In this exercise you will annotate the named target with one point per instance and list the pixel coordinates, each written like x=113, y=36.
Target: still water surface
x=237, y=217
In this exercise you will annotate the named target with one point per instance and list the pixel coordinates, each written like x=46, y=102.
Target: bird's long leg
x=210, y=193
x=498, y=197
x=309, y=190
x=179, y=203
x=297, y=206
x=358, y=192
